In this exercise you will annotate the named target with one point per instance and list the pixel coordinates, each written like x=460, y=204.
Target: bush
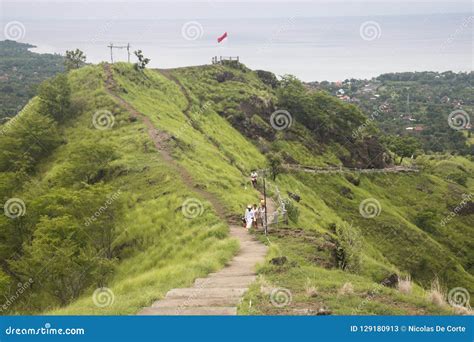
x=352, y=179
x=426, y=220
x=268, y=78
x=55, y=98
x=349, y=246
x=89, y=162
x=292, y=210
x=458, y=177
x=31, y=137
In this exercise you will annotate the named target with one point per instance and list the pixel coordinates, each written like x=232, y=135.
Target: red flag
x=221, y=38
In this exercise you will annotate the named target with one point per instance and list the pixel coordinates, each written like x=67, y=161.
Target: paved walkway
x=219, y=293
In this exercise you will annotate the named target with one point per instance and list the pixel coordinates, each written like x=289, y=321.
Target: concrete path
x=219, y=293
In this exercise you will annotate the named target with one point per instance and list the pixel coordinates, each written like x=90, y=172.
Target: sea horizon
x=311, y=48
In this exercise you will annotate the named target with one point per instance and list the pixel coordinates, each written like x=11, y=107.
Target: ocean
x=311, y=48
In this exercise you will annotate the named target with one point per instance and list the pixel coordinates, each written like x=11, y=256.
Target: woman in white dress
x=249, y=216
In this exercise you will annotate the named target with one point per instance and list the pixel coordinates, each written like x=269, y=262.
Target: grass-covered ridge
x=216, y=125
x=153, y=247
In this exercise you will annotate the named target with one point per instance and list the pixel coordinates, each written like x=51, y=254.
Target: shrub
x=426, y=220
x=55, y=98
x=346, y=289
x=348, y=252
x=458, y=177
x=292, y=210
x=405, y=284
x=436, y=293
x=310, y=290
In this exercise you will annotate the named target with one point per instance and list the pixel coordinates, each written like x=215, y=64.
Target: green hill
x=20, y=73
x=104, y=208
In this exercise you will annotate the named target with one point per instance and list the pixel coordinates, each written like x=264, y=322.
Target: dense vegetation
x=20, y=72
x=104, y=209
x=420, y=100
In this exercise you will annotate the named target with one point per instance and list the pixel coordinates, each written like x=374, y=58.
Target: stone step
x=250, y=252
x=215, y=292
x=233, y=273
x=247, y=258
x=193, y=302
x=193, y=311
x=216, y=281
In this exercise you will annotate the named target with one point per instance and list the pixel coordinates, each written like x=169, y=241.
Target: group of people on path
x=254, y=215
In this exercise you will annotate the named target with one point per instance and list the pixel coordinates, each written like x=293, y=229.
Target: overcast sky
x=179, y=9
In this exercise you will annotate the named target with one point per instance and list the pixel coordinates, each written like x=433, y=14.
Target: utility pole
x=128, y=52
x=408, y=100
x=265, y=202
x=111, y=46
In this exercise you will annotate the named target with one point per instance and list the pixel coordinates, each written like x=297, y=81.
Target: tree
x=31, y=137
x=402, y=146
x=55, y=98
x=274, y=163
x=59, y=257
x=74, y=59
x=142, y=61
x=89, y=162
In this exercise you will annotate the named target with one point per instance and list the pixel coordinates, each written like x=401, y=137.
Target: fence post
x=265, y=202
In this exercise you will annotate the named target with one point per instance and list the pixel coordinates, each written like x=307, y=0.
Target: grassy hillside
x=154, y=247
x=215, y=121
x=20, y=73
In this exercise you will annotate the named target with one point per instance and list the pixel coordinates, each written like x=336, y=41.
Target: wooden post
x=128, y=51
x=265, y=203
x=111, y=46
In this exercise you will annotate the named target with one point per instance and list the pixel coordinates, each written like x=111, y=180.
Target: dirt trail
x=221, y=292
x=159, y=140
x=316, y=169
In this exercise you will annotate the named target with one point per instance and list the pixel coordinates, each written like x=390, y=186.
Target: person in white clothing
x=249, y=216
x=255, y=216
x=253, y=178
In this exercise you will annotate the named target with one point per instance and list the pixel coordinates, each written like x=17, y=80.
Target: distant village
x=364, y=92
